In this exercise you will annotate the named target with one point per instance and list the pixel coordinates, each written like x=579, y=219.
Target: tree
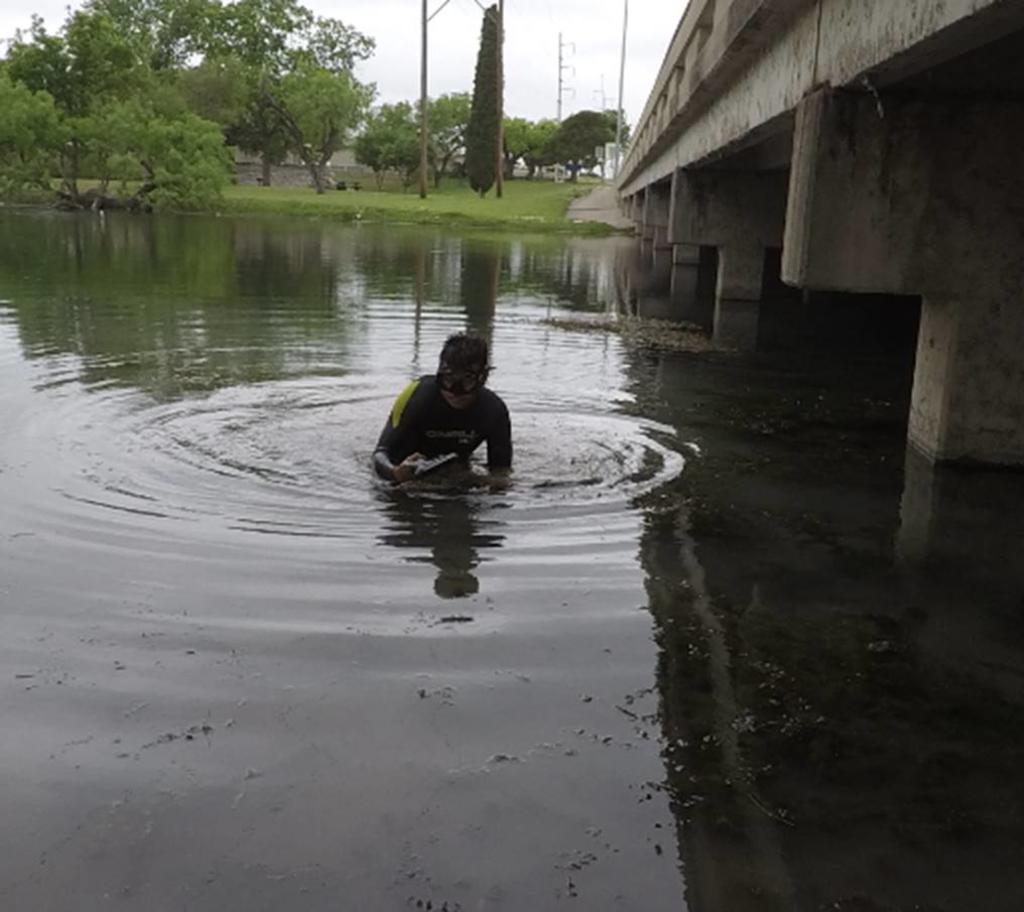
x=80, y=69
x=538, y=149
x=318, y=108
x=95, y=103
x=448, y=119
x=613, y=120
x=217, y=90
x=31, y=136
x=516, y=138
x=275, y=41
x=180, y=159
x=164, y=33
x=390, y=142
x=482, y=130
x=86, y=67
x=577, y=138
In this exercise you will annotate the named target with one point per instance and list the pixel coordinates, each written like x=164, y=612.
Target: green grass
x=535, y=206
x=527, y=206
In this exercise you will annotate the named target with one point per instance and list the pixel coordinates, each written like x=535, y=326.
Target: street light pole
x=423, y=108
x=622, y=80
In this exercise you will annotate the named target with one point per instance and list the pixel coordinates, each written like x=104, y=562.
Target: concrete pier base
x=926, y=200
x=685, y=287
x=655, y=219
x=741, y=213
x=662, y=252
x=968, y=400
x=738, y=297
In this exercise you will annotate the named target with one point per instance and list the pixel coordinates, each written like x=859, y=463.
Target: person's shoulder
x=414, y=395
x=492, y=402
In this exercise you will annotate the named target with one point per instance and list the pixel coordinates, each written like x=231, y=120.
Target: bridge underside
x=909, y=183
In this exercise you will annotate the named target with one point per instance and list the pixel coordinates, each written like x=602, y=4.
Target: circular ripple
x=292, y=458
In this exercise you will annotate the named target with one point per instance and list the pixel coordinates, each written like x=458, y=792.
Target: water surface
x=720, y=646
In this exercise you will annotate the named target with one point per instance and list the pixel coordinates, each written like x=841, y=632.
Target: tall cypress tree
x=482, y=130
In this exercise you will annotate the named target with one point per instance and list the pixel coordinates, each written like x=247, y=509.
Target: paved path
x=601, y=205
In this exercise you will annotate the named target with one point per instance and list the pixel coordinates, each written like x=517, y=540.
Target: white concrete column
x=656, y=214
x=738, y=296
x=927, y=200
x=741, y=213
x=968, y=401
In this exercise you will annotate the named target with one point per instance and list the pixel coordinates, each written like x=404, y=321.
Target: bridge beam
x=741, y=213
x=926, y=198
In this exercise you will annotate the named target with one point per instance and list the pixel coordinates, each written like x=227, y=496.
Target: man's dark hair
x=463, y=351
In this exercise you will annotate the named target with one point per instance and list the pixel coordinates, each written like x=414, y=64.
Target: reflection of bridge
x=878, y=143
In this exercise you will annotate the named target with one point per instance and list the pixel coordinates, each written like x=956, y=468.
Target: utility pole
x=622, y=81
x=424, y=100
x=423, y=107
x=562, y=67
x=499, y=174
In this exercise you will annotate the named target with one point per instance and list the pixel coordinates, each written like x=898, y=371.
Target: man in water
x=449, y=412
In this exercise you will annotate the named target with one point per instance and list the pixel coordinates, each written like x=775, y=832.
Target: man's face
x=461, y=386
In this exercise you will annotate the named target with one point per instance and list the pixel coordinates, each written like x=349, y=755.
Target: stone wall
x=298, y=175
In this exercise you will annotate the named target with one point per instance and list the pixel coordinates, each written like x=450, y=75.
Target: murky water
x=719, y=646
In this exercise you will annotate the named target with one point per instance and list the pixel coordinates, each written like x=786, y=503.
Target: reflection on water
x=234, y=648
x=841, y=679
x=448, y=526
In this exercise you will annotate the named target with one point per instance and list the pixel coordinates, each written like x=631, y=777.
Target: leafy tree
x=164, y=33
x=80, y=69
x=481, y=132
x=275, y=42
x=332, y=45
x=448, y=118
x=390, y=142
x=31, y=135
x=576, y=139
x=180, y=159
x=538, y=148
x=217, y=89
x=516, y=138
x=87, y=66
x=100, y=106
x=318, y=109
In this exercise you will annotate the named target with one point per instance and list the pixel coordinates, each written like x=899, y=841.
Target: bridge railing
x=702, y=55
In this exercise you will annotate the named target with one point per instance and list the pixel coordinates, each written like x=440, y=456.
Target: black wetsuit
x=421, y=421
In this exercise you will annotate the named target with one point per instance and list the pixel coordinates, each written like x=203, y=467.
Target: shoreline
x=528, y=208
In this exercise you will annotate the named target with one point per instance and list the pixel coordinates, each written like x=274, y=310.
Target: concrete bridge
x=880, y=145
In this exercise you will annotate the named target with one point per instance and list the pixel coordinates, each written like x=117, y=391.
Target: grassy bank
x=527, y=206
x=535, y=206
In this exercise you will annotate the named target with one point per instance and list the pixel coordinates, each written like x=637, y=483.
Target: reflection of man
x=449, y=529
x=450, y=412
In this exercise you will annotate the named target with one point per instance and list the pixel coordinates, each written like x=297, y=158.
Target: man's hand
x=407, y=469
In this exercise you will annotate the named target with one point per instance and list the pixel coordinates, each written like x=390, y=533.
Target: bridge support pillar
x=741, y=213
x=636, y=211
x=912, y=197
x=685, y=287
x=657, y=199
x=738, y=296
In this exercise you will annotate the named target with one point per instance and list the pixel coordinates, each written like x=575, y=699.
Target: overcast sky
x=532, y=28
